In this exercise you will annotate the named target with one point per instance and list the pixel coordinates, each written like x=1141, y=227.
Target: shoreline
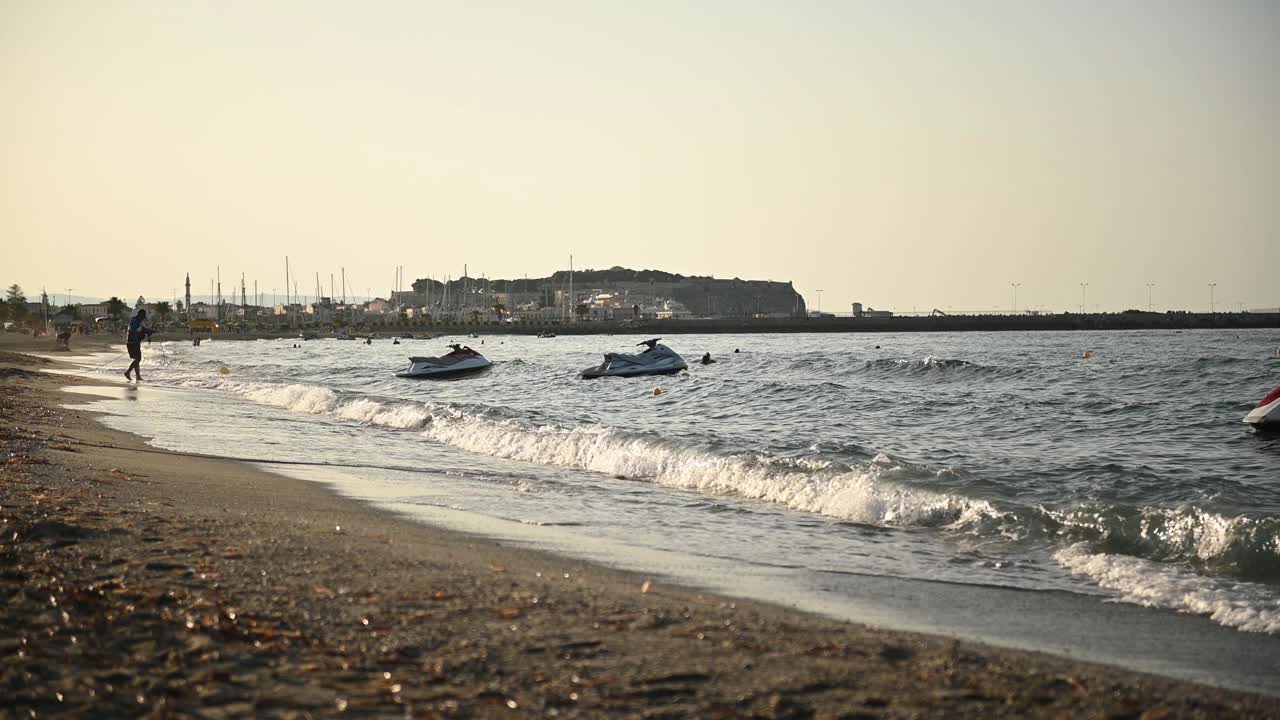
x=254, y=601
x=1087, y=626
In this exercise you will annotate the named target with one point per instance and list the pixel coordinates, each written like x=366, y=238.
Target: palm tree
x=163, y=310
x=116, y=307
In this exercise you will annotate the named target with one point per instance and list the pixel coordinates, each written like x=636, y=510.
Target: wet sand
x=144, y=583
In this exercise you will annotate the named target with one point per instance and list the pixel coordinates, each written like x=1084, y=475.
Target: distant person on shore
x=133, y=341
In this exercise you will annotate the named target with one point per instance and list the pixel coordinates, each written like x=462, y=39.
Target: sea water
x=1111, y=465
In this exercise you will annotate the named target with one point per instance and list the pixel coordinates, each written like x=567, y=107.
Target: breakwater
x=936, y=323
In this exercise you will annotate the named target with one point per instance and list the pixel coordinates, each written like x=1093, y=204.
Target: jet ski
x=1266, y=417
x=654, y=360
x=461, y=361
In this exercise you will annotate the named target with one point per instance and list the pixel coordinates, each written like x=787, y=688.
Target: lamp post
x=69, y=295
x=1082, y=296
x=1149, y=286
x=819, y=301
x=1212, y=307
x=1015, y=287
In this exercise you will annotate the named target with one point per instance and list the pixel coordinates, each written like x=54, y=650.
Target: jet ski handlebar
x=649, y=343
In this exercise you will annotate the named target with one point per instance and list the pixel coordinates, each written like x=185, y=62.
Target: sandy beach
x=139, y=582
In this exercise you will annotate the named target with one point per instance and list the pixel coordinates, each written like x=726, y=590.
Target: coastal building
x=203, y=311
x=861, y=312
x=290, y=313
x=403, y=298
x=92, y=311
x=321, y=312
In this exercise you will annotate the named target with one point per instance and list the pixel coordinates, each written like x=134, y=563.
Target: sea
x=1101, y=473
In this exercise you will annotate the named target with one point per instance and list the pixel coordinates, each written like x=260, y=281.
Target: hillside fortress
x=614, y=294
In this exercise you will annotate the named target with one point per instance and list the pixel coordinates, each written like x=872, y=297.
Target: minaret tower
x=188, y=298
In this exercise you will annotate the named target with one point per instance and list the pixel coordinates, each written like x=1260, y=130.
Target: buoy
x=657, y=391
x=224, y=371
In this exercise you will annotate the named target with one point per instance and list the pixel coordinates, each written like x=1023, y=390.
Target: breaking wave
x=877, y=492
x=1136, y=542
x=872, y=493
x=936, y=366
x=866, y=494
x=1244, y=606
x=1241, y=546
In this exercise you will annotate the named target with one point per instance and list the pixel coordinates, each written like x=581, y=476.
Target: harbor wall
x=940, y=323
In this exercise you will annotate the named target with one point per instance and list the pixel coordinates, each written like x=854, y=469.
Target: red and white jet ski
x=1266, y=416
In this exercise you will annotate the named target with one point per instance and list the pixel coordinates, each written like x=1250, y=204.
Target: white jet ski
x=655, y=360
x=1266, y=417
x=461, y=361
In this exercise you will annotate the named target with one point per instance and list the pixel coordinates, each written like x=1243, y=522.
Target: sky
x=908, y=155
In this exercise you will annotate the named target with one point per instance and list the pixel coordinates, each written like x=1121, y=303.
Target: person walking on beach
x=133, y=341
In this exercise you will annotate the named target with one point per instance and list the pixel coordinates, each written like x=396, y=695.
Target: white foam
x=864, y=494
x=311, y=399
x=1182, y=533
x=319, y=400
x=1244, y=606
x=859, y=494
x=406, y=416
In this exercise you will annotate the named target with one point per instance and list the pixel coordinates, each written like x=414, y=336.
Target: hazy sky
x=905, y=154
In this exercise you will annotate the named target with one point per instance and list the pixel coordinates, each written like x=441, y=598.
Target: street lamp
x=819, y=301
x=1082, y=295
x=1015, y=287
x=1149, y=286
x=1212, y=307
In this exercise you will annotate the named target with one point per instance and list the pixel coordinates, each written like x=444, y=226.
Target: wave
x=936, y=366
x=1239, y=605
x=1210, y=361
x=1187, y=559
x=875, y=491
x=869, y=493
x=1241, y=546
x=864, y=494
x=878, y=491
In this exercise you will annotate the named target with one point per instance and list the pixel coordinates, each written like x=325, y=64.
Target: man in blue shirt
x=133, y=341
